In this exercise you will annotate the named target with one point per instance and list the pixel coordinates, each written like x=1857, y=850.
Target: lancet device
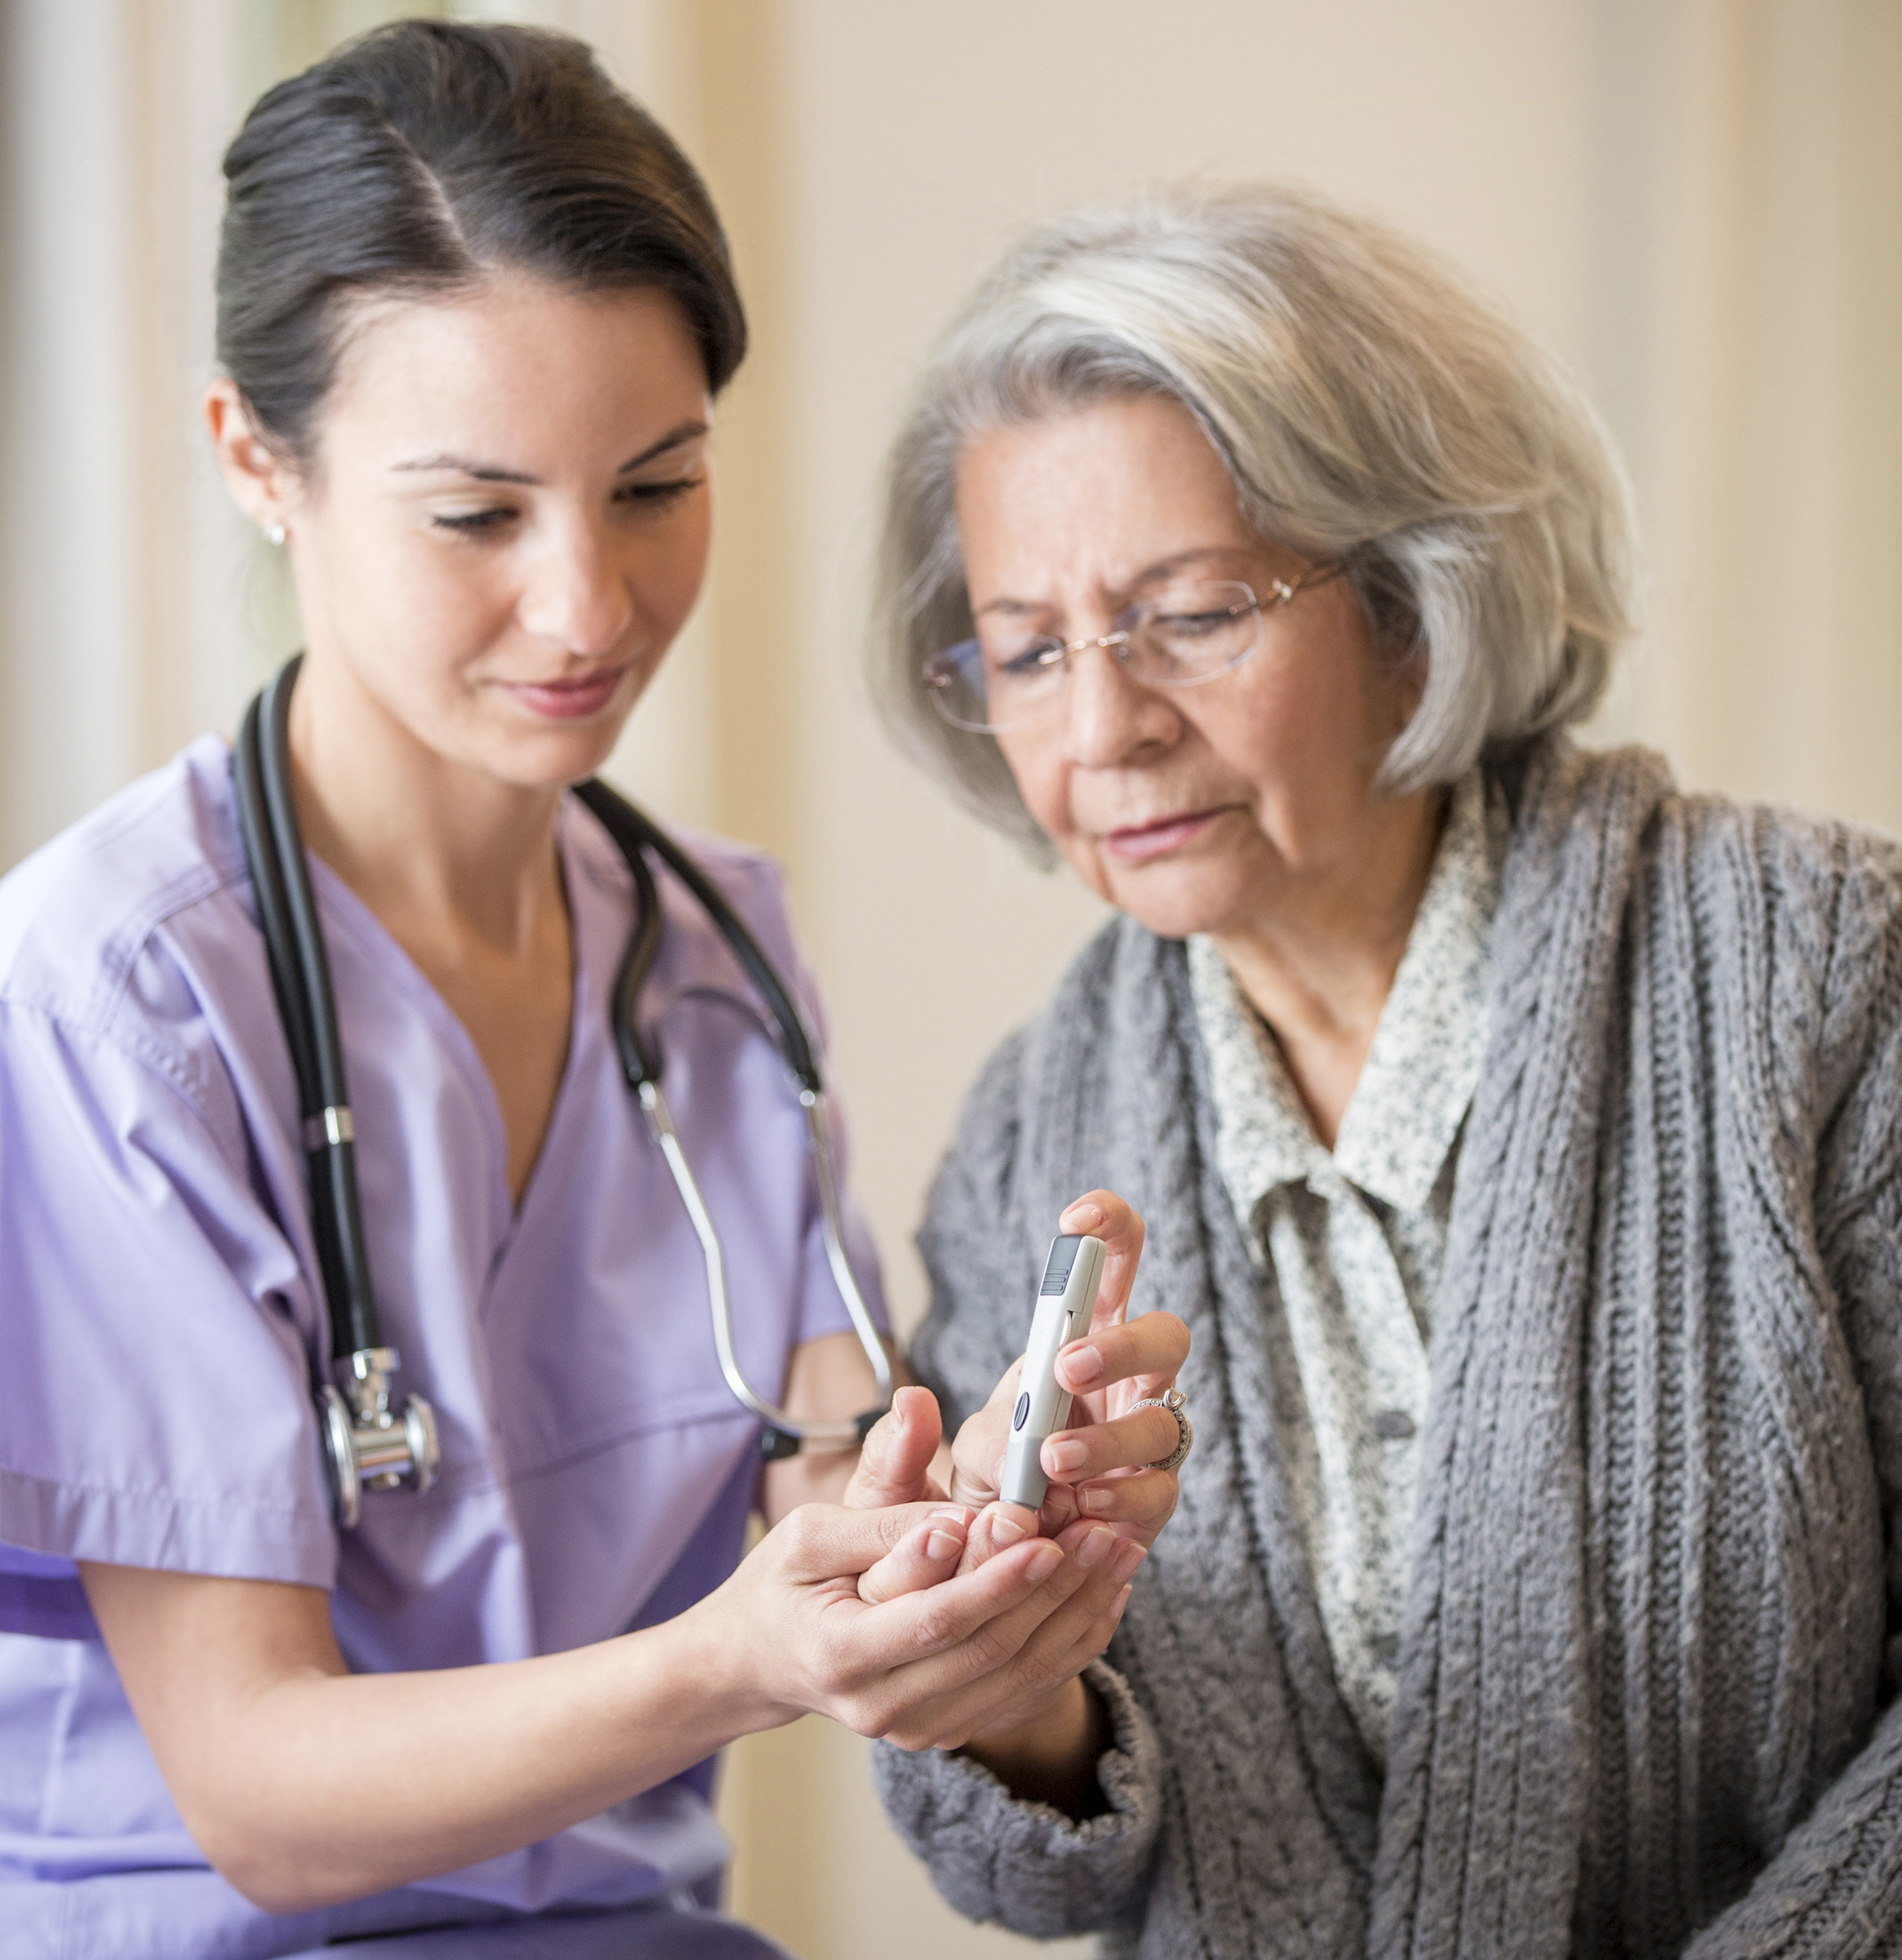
x=1066, y=1300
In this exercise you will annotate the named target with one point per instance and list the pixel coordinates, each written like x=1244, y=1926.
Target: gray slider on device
x=1065, y=1302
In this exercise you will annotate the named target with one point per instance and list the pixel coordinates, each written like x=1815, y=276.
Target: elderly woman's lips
x=1156, y=840
x=567, y=700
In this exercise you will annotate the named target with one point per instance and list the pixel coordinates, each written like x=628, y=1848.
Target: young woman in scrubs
x=474, y=306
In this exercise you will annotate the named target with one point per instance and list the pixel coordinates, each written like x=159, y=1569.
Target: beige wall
x=1699, y=202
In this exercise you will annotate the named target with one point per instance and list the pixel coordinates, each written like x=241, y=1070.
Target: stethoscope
x=369, y=1438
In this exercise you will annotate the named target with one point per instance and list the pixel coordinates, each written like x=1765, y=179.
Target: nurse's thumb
x=895, y=1462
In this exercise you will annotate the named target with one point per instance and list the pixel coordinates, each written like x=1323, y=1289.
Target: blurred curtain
x=1779, y=405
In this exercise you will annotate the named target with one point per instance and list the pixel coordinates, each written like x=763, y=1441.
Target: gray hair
x=1371, y=409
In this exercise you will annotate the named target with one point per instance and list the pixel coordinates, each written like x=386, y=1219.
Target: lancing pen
x=1066, y=1300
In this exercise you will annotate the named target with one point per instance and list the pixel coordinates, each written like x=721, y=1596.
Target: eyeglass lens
x=1006, y=676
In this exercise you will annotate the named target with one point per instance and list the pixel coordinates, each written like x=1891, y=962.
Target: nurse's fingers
x=815, y=1645
x=1104, y=1216
x=1073, y=1577
x=818, y=1542
x=926, y=1554
x=1025, y=1654
x=894, y=1463
x=992, y=1708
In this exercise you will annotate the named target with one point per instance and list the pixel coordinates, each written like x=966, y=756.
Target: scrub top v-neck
x=158, y=1312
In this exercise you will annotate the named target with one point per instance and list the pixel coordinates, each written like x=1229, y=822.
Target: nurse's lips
x=571, y=700
x=1139, y=841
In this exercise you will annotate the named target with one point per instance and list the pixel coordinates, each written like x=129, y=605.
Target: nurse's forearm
x=306, y=1785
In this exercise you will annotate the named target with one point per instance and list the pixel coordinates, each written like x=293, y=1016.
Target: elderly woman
x=1516, y=1133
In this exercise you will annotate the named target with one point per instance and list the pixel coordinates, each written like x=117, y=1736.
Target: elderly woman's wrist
x=1050, y=1754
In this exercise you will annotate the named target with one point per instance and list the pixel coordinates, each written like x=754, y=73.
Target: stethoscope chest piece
x=367, y=1443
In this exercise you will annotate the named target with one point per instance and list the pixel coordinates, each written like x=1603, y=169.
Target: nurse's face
x=507, y=520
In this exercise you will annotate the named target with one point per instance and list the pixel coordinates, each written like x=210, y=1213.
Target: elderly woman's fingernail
x=1128, y=1559
x=1061, y=1459
x=1096, y=1499
x=955, y=1514
x=943, y=1544
x=1004, y=1530
x=1084, y=1217
x=1082, y=1364
x=1095, y=1546
x=1043, y=1562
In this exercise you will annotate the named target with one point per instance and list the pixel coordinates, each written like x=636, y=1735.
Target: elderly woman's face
x=1195, y=809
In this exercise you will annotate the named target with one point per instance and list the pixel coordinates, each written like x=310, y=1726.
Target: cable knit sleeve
x=1834, y=1888
x=993, y=1856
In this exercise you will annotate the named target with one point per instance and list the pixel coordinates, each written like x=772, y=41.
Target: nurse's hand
x=863, y=1616
x=1102, y=1467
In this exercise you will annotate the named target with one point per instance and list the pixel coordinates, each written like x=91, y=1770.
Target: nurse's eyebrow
x=492, y=472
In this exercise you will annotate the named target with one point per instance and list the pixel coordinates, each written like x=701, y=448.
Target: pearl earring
x=274, y=534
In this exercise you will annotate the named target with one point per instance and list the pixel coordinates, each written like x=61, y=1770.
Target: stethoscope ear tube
x=640, y=1060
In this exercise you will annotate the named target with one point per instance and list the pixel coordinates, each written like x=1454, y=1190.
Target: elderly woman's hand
x=1043, y=1731
x=1102, y=1467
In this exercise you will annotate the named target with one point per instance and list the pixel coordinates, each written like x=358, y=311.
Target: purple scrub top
x=159, y=1307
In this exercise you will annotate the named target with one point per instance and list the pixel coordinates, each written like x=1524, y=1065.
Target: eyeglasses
x=1192, y=633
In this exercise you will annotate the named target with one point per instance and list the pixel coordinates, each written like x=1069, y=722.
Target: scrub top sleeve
x=154, y=1402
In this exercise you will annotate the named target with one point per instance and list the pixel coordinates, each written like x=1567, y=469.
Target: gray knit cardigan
x=1646, y=1670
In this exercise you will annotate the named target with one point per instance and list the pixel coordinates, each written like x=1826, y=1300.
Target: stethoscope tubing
x=635, y=834
x=300, y=982
x=301, y=978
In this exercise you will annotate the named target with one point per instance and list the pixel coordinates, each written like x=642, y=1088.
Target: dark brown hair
x=423, y=154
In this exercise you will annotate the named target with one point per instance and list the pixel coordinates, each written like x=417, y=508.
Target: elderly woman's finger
x=976, y=1457
x=997, y=1528
x=926, y=1554
x=1148, y=1351
x=1136, y=1440
x=1145, y=1498
x=1104, y=1216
